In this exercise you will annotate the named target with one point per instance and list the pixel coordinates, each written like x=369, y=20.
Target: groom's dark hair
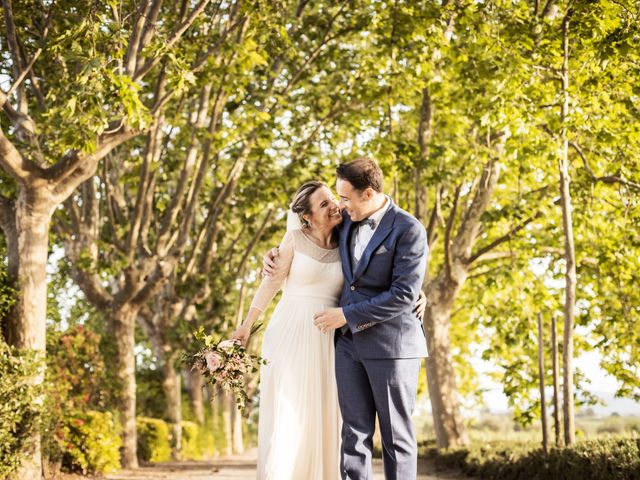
x=362, y=173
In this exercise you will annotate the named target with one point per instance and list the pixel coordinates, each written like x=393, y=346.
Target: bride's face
x=325, y=211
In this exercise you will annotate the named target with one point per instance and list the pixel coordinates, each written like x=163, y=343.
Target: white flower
x=227, y=345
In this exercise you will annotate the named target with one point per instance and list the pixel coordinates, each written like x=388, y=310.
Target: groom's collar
x=378, y=214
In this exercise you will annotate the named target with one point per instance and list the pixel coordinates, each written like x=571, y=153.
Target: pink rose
x=213, y=361
x=227, y=345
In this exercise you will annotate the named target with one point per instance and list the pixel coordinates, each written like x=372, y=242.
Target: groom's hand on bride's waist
x=330, y=319
x=269, y=262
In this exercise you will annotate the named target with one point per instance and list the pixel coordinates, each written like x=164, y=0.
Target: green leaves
x=20, y=404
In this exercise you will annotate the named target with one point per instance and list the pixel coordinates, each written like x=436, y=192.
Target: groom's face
x=356, y=203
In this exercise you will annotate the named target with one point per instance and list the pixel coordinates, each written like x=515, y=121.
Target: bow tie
x=368, y=221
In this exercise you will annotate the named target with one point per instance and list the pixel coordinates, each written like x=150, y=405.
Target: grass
x=489, y=427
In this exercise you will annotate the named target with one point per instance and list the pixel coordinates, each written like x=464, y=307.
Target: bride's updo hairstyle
x=301, y=204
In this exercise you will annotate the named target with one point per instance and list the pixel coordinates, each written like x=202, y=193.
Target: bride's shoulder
x=292, y=237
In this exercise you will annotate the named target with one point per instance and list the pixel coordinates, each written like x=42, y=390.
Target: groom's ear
x=367, y=193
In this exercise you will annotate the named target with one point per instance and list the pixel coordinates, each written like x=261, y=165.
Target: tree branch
x=434, y=219
x=20, y=168
x=152, y=148
x=506, y=236
x=502, y=239
x=79, y=238
x=149, y=26
x=189, y=165
x=171, y=41
x=491, y=256
x=241, y=267
x=486, y=271
x=608, y=179
x=14, y=50
x=154, y=281
x=470, y=226
x=213, y=49
x=18, y=82
x=27, y=70
x=447, y=232
x=220, y=200
x=134, y=42
x=70, y=172
x=324, y=41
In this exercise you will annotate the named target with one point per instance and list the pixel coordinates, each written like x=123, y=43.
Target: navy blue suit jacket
x=379, y=296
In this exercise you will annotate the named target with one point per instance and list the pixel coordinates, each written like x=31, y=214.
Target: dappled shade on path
x=231, y=468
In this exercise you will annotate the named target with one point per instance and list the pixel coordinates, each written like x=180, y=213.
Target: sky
x=602, y=385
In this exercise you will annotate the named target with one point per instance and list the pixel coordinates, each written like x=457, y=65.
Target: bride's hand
x=242, y=334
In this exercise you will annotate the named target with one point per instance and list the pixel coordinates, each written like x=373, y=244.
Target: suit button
x=353, y=287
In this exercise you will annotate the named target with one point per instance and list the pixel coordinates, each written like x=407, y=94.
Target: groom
x=379, y=339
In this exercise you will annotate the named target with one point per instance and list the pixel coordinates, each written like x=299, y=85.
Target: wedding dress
x=299, y=423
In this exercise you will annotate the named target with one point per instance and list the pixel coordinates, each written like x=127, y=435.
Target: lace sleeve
x=270, y=285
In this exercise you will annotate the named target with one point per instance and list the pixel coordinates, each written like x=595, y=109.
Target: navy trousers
x=383, y=387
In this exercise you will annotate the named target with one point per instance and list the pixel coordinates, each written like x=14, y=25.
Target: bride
x=299, y=426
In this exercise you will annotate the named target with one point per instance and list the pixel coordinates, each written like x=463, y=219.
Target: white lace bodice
x=307, y=272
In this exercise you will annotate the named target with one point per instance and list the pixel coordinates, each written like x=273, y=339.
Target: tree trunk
x=195, y=395
x=569, y=255
x=227, y=405
x=216, y=407
x=27, y=323
x=441, y=295
x=447, y=421
x=236, y=418
x=124, y=319
x=173, y=413
x=556, y=409
x=543, y=403
x=424, y=137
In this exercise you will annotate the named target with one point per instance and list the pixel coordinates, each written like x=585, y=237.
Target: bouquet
x=225, y=363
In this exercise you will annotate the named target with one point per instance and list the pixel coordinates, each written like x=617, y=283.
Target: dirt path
x=241, y=467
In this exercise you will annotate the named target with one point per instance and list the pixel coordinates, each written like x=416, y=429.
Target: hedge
x=90, y=443
x=153, y=440
x=190, y=449
x=20, y=404
x=602, y=459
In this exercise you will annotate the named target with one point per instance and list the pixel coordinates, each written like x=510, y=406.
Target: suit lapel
x=386, y=224
x=345, y=253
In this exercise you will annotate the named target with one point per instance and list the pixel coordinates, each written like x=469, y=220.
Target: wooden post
x=556, y=381
x=543, y=403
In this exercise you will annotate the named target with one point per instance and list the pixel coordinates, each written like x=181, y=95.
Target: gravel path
x=239, y=467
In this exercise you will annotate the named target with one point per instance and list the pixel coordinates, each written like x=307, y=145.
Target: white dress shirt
x=364, y=233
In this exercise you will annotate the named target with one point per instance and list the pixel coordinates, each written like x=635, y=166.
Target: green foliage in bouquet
x=90, y=443
x=225, y=363
x=153, y=440
x=20, y=404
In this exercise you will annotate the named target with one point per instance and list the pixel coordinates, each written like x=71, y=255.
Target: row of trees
x=159, y=146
